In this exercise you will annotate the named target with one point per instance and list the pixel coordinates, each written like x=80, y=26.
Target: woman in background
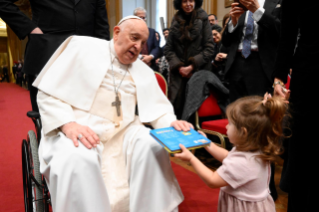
x=189, y=48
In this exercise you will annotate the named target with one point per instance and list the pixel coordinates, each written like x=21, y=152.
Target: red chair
x=161, y=82
x=214, y=127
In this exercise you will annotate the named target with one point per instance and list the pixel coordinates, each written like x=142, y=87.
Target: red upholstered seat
x=210, y=108
x=216, y=125
x=161, y=82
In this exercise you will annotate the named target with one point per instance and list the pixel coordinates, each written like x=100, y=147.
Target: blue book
x=170, y=139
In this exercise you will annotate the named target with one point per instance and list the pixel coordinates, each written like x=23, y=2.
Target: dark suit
x=58, y=20
x=153, y=47
x=152, y=44
x=252, y=76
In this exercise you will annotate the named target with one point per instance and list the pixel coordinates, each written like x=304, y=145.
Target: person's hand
x=36, y=31
x=235, y=13
x=202, y=133
x=72, y=130
x=220, y=56
x=182, y=125
x=186, y=71
x=157, y=60
x=185, y=155
x=280, y=91
x=147, y=59
x=251, y=5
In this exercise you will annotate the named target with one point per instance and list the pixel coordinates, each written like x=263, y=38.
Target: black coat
x=58, y=20
x=298, y=20
x=268, y=37
x=189, y=42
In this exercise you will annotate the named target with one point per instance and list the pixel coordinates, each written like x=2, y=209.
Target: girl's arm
x=217, y=152
x=212, y=179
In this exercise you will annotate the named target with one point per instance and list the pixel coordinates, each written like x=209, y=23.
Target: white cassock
x=128, y=170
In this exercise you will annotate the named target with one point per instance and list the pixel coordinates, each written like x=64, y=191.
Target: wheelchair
x=36, y=192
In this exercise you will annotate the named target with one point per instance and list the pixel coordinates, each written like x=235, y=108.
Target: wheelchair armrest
x=33, y=114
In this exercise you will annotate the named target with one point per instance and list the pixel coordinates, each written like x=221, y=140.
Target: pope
x=95, y=152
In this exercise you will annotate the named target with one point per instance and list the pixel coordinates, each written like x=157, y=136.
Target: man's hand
x=185, y=155
x=279, y=91
x=182, y=125
x=251, y=5
x=147, y=59
x=72, y=130
x=186, y=71
x=36, y=31
x=220, y=56
x=235, y=13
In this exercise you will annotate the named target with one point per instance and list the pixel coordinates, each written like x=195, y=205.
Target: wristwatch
x=278, y=82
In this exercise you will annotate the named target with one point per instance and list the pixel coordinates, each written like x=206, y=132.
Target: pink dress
x=248, y=179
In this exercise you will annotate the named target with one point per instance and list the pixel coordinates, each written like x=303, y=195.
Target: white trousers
x=76, y=184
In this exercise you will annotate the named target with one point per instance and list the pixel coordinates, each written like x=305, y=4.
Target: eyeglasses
x=142, y=17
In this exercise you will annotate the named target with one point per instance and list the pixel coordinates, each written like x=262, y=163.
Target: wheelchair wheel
x=33, y=188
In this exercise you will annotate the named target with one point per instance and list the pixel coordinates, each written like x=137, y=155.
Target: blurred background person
x=5, y=75
x=151, y=50
x=52, y=22
x=298, y=20
x=212, y=19
x=189, y=48
x=220, y=54
x=163, y=66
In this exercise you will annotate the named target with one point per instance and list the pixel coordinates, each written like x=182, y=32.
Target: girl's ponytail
x=262, y=118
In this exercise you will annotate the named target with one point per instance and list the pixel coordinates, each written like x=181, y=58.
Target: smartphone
x=241, y=5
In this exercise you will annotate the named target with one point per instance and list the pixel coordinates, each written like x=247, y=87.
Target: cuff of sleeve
x=152, y=56
x=258, y=14
x=164, y=121
x=231, y=28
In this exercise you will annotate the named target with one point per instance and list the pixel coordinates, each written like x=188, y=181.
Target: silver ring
x=80, y=136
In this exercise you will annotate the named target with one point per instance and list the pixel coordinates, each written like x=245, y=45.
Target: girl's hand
x=185, y=155
x=202, y=133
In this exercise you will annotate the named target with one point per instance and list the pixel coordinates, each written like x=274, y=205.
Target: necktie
x=248, y=35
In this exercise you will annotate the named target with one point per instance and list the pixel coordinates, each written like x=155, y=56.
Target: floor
x=281, y=202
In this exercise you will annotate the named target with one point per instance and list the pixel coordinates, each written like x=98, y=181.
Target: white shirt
x=256, y=16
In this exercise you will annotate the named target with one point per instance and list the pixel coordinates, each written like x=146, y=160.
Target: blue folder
x=170, y=139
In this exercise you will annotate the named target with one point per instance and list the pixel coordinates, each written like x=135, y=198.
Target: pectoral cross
x=117, y=104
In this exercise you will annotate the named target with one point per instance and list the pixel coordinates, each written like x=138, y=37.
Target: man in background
x=150, y=51
x=52, y=22
x=166, y=33
x=212, y=18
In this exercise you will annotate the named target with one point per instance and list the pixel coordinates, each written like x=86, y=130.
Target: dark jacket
x=189, y=42
x=58, y=20
x=268, y=37
x=152, y=44
x=198, y=89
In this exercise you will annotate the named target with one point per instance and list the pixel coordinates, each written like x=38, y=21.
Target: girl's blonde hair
x=263, y=122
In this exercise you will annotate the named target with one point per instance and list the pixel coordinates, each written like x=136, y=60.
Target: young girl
x=255, y=130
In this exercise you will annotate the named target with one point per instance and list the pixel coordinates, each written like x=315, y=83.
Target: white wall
x=128, y=6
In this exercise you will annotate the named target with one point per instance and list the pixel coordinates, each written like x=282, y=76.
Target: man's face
x=129, y=39
x=141, y=14
x=212, y=20
x=166, y=32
